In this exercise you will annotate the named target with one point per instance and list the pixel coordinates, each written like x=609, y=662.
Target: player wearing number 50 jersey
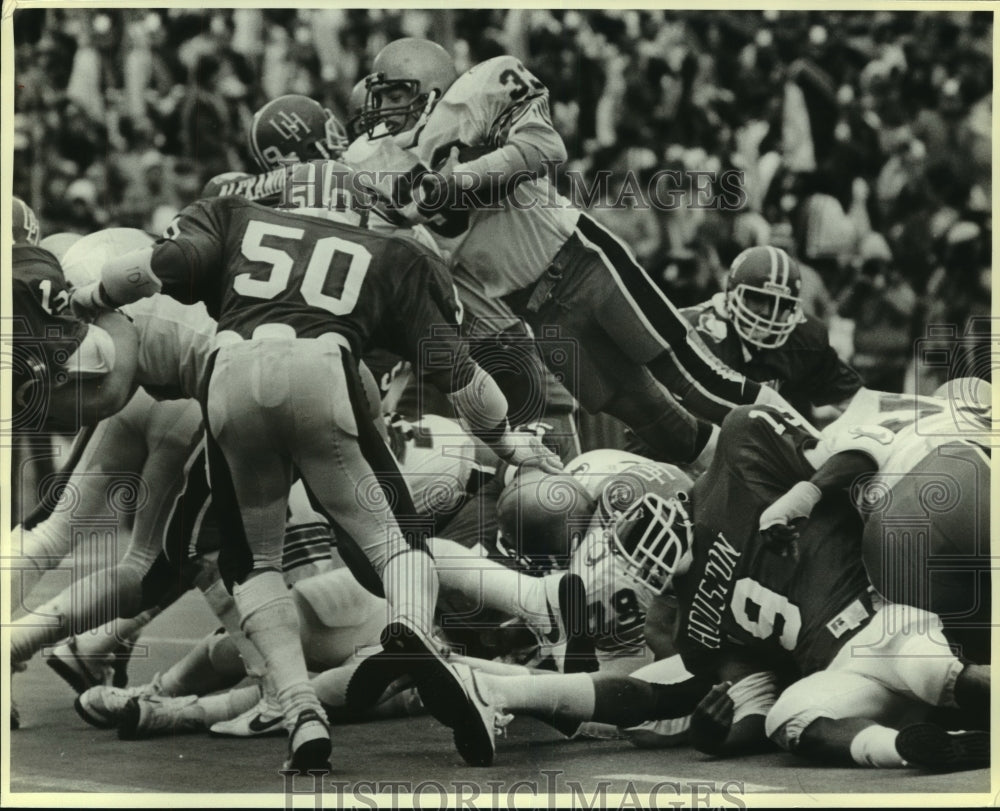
x=516, y=238
x=869, y=668
x=297, y=300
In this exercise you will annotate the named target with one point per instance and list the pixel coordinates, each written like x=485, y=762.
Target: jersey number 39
x=316, y=283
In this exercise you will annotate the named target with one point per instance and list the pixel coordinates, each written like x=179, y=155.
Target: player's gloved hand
x=712, y=719
x=87, y=303
x=781, y=523
x=439, y=187
x=523, y=449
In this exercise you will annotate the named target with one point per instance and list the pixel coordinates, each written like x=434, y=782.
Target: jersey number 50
x=771, y=612
x=316, y=278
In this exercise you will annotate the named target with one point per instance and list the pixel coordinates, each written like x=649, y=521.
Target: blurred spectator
x=843, y=123
x=882, y=306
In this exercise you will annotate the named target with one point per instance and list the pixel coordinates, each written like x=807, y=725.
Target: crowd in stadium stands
x=863, y=137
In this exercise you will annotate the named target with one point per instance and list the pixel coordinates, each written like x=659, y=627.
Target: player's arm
x=189, y=252
x=661, y=623
x=432, y=314
x=511, y=114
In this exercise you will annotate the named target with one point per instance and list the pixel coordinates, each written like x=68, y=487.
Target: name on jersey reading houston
x=705, y=616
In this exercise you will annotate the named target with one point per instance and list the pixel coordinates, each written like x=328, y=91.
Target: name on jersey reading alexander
x=705, y=617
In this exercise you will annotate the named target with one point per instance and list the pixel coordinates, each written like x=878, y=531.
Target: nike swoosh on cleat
x=257, y=724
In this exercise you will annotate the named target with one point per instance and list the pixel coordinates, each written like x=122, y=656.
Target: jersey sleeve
x=43, y=275
x=766, y=446
x=826, y=379
x=190, y=253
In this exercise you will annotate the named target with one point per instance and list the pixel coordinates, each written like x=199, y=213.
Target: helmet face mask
x=295, y=128
x=652, y=535
x=408, y=77
x=395, y=116
x=762, y=296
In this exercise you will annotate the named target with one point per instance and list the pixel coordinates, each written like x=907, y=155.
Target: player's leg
x=112, y=461
x=351, y=473
x=642, y=320
x=254, y=412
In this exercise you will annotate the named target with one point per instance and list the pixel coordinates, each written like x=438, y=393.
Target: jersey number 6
x=316, y=278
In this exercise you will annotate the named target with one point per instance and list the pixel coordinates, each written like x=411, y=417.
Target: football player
x=468, y=156
x=286, y=343
x=871, y=671
x=757, y=326
x=499, y=342
x=925, y=502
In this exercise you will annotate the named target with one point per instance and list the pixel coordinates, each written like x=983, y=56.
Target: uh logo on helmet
x=763, y=296
x=296, y=128
x=643, y=511
x=408, y=77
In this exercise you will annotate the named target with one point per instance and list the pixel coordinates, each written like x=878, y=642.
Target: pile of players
x=337, y=394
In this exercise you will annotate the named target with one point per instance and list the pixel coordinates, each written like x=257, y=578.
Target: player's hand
x=523, y=449
x=439, y=187
x=712, y=719
x=86, y=303
x=781, y=523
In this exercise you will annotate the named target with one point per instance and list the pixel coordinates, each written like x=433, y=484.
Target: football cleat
x=150, y=716
x=476, y=743
x=309, y=744
x=928, y=746
x=81, y=673
x=102, y=706
x=262, y=720
x=378, y=678
x=442, y=689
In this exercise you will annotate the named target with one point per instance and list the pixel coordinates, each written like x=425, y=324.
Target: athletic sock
x=498, y=587
x=559, y=697
x=224, y=607
x=876, y=746
x=226, y=706
x=411, y=587
x=271, y=623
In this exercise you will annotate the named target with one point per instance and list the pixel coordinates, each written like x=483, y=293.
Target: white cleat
x=150, y=716
x=102, y=706
x=262, y=720
x=476, y=743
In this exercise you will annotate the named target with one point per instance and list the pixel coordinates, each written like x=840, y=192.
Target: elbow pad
x=95, y=355
x=129, y=278
x=754, y=695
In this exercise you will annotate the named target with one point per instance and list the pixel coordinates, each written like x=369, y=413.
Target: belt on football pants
x=551, y=276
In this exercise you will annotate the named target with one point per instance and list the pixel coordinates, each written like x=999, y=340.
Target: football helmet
x=58, y=244
x=25, y=223
x=763, y=296
x=83, y=262
x=642, y=509
x=542, y=514
x=295, y=127
x=408, y=77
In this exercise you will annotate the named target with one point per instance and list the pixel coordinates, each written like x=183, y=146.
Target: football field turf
x=55, y=751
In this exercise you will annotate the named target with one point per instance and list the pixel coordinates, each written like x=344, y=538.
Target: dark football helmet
x=25, y=223
x=297, y=128
x=763, y=296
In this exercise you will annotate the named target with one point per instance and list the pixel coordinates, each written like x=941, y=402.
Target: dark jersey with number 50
x=255, y=266
x=739, y=593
